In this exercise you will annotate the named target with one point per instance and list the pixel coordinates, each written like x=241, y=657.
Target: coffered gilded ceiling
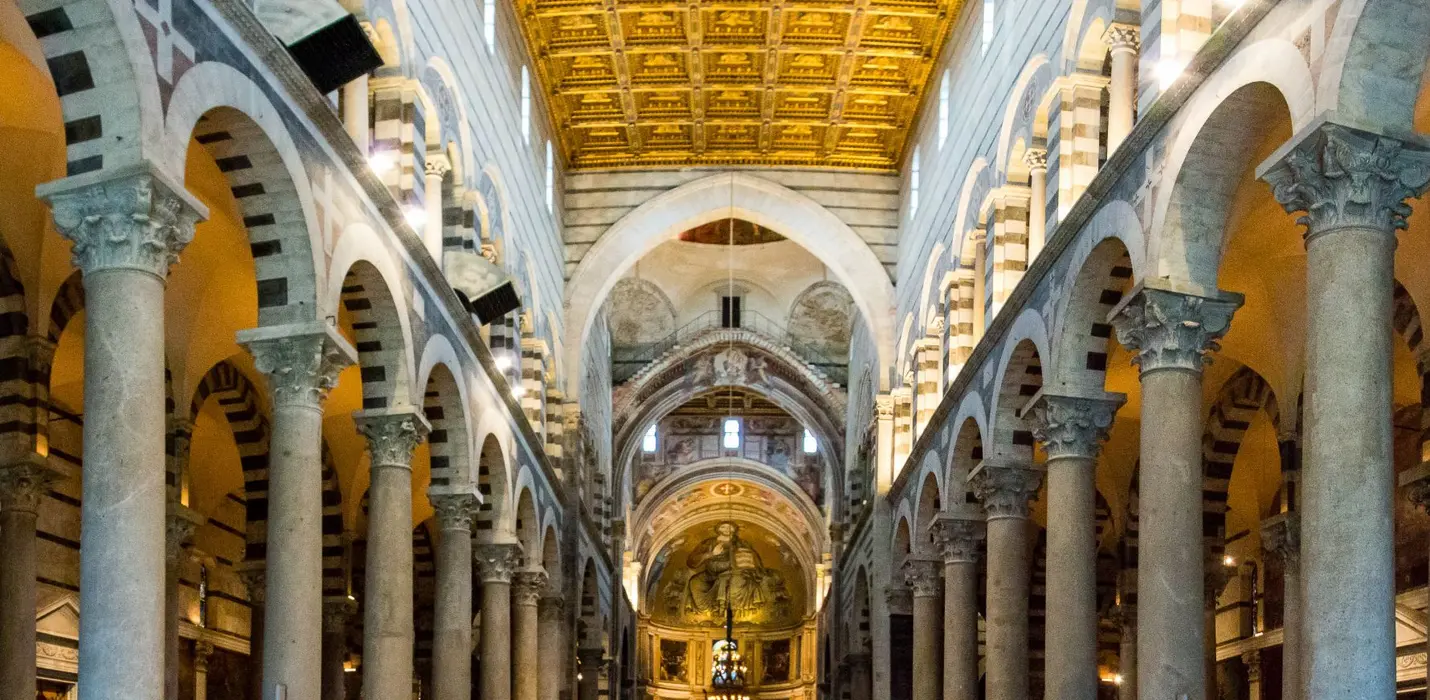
x=642, y=84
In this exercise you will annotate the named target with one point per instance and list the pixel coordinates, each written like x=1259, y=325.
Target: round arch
x=755, y=199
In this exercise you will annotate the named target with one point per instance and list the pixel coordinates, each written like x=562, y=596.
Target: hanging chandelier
x=727, y=670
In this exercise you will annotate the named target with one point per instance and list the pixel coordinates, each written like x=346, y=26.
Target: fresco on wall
x=673, y=663
x=639, y=314
x=775, y=440
x=727, y=563
x=822, y=318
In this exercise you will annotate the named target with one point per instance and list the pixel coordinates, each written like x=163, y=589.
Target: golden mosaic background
x=767, y=82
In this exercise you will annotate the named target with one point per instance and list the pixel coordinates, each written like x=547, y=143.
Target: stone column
x=527, y=589
x=202, y=651
x=337, y=613
x=127, y=231
x=452, y=609
x=1037, y=161
x=255, y=580
x=436, y=168
x=1170, y=333
x=1122, y=41
x=182, y=522
x=1281, y=538
x=22, y=486
x=1005, y=490
x=302, y=362
x=1252, y=659
x=861, y=681
x=926, y=582
x=355, y=111
x=957, y=533
x=588, y=679
x=387, y=632
x=496, y=564
x=1353, y=187
x=1127, y=652
x=551, y=630
x=1213, y=583
x=980, y=284
x=1072, y=430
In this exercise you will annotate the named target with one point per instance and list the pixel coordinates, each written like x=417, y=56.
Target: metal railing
x=628, y=359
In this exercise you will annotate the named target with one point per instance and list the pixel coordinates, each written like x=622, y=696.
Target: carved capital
x=497, y=563
x=553, y=609
x=337, y=613
x=899, y=599
x=202, y=651
x=255, y=578
x=135, y=219
x=1005, y=490
x=1122, y=37
x=182, y=521
x=1073, y=426
x=1172, y=330
x=958, y=534
x=1252, y=659
x=302, y=360
x=1036, y=159
x=923, y=576
x=1342, y=177
x=24, y=483
x=455, y=511
x=392, y=434
x=1416, y=482
x=1281, y=536
x=884, y=406
x=527, y=586
x=436, y=165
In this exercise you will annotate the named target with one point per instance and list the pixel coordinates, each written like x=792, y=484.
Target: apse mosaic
x=726, y=563
x=717, y=82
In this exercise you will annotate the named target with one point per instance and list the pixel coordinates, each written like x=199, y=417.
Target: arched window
x=551, y=180
x=525, y=104
x=489, y=24
x=914, y=184
x=943, y=97
x=989, y=7
x=811, y=445
x=731, y=439
x=648, y=442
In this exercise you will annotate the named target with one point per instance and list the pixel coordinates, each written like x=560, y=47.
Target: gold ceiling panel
x=655, y=83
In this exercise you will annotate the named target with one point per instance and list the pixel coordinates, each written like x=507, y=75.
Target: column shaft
x=452, y=616
x=181, y=525
x=1037, y=160
x=1122, y=92
x=496, y=640
x=1072, y=580
x=960, y=631
x=1007, y=606
x=1127, y=657
x=336, y=613
x=355, y=111
x=923, y=576
x=527, y=589
x=551, y=630
x=22, y=486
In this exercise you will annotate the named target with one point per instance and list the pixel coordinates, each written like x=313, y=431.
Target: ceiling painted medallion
x=722, y=82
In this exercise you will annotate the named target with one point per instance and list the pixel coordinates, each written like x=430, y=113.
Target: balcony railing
x=626, y=360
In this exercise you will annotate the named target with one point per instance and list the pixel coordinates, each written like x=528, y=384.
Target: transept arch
x=748, y=197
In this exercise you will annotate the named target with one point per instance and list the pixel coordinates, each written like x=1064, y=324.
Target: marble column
x=23, y=485
x=1252, y=659
x=301, y=362
x=926, y=581
x=182, y=522
x=338, y=613
x=1213, y=583
x=551, y=648
x=387, y=632
x=861, y=680
x=496, y=564
x=1037, y=161
x=202, y=652
x=588, y=676
x=1005, y=491
x=1127, y=652
x=1122, y=41
x=255, y=580
x=526, y=591
x=452, y=609
x=127, y=231
x=957, y=533
x=355, y=111
x=1353, y=187
x=436, y=168
x=1281, y=538
x=1072, y=430
x=1170, y=333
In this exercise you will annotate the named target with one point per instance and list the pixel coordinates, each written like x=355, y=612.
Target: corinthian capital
x=301, y=360
x=923, y=576
x=527, y=586
x=1281, y=536
x=884, y=406
x=1073, y=426
x=436, y=165
x=134, y=219
x=24, y=482
x=1416, y=482
x=1172, y=330
x=1036, y=158
x=1122, y=37
x=455, y=511
x=957, y=534
x=181, y=523
x=497, y=563
x=1005, y=489
x=1342, y=177
x=392, y=434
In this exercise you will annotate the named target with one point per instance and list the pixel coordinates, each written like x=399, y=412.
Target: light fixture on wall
x=727, y=669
